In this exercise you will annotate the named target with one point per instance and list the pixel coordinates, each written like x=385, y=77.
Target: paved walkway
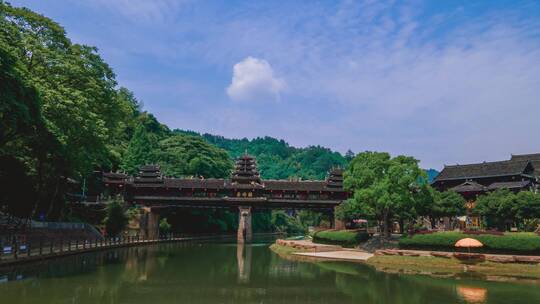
x=344, y=255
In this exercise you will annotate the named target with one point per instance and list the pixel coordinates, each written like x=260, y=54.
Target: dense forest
x=276, y=159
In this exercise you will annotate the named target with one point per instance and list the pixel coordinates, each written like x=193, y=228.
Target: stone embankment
x=497, y=258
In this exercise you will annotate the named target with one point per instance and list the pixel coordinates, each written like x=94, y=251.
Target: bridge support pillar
x=245, y=234
x=337, y=223
x=149, y=224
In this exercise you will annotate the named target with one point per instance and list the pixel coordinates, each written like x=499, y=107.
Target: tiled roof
x=295, y=185
x=486, y=169
x=469, y=186
x=195, y=183
x=510, y=185
x=534, y=156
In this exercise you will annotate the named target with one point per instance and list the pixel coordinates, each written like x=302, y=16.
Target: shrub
x=164, y=226
x=509, y=242
x=116, y=219
x=346, y=238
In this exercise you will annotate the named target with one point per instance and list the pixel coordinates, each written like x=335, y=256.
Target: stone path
x=343, y=255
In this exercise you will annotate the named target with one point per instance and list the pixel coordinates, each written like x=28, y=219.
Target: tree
x=116, y=219
x=447, y=204
x=164, y=226
x=528, y=205
x=59, y=111
x=382, y=186
x=498, y=207
x=140, y=150
x=349, y=155
x=286, y=223
x=181, y=155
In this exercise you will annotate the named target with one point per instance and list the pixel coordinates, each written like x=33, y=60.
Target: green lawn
x=512, y=242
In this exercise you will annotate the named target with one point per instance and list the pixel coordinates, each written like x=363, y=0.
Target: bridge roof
x=295, y=185
x=218, y=184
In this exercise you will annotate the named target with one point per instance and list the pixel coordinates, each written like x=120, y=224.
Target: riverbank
x=423, y=263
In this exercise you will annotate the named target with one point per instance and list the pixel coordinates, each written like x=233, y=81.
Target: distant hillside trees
x=276, y=159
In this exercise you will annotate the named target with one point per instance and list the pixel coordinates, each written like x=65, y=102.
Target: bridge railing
x=18, y=250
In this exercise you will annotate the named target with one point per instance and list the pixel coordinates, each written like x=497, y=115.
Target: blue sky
x=445, y=81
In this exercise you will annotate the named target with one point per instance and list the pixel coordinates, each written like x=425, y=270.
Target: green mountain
x=277, y=159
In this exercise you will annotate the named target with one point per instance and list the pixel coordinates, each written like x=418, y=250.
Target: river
x=226, y=273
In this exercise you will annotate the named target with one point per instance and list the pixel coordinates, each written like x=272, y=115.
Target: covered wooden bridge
x=244, y=190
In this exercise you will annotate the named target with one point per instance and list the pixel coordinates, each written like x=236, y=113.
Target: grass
x=345, y=238
x=520, y=242
x=435, y=265
x=284, y=250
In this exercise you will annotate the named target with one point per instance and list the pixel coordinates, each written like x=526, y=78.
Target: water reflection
x=226, y=273
x=472, y=294
x=243, y=258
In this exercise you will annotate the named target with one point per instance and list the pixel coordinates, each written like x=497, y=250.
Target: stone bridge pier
x=245, y=233
x=149, y=224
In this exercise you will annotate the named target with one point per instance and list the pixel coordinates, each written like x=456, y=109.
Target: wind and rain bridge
x=244, y=191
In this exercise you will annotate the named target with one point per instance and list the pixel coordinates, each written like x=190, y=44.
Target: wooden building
x=520, y=172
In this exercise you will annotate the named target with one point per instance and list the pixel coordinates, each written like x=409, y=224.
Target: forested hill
x=276, y=159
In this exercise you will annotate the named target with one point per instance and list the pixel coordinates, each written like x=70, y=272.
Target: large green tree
x=60, y=110
x=382, y=186
x=140, y=151
x=185, y=155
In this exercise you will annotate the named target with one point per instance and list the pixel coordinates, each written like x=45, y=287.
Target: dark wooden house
x=521, y=172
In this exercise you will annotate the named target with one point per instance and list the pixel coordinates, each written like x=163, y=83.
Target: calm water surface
x=225, y=273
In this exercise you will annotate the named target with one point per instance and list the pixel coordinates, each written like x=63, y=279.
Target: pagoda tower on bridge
x=246, y=172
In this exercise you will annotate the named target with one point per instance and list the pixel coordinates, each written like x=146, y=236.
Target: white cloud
x=253, y=80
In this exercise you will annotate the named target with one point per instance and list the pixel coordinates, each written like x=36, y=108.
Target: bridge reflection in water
x=243, y=259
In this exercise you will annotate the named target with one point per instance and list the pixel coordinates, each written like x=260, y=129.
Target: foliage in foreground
x=346, y=238
x=510, y=242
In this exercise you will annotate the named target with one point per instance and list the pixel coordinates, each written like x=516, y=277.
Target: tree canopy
x=383, y=187
x=502, y=208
